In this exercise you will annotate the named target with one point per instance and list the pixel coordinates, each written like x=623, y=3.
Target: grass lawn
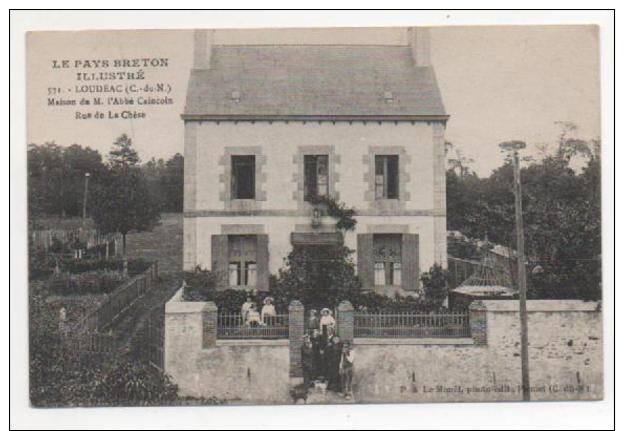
x=164, y=243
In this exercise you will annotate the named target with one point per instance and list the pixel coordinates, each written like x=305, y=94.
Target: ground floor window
x=242, y=270
x=387, y=259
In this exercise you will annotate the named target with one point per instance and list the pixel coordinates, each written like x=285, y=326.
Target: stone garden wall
x=565, y=356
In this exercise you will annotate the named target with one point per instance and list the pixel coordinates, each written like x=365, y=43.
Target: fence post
x=295, y=337
x=345, y=321
x=209, y=325
x=478, y=322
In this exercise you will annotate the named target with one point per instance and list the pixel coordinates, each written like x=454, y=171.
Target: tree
x=56, y=177
x=172, y=183
x=318, y=276
x=321, y=275
x=124, y=203
x=458, y=162
x=166, y=180
x=123, y=156
x=435, y=287
x=561, y=211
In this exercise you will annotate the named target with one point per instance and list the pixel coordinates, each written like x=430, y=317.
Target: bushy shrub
x=321, y=277
x=376, y=303
x=435, y=286
x=40, y=264
x=77, y=266
x=114, y=381
x=463, y=248
x=199, y=285
x=91, y=282
x=327, y=288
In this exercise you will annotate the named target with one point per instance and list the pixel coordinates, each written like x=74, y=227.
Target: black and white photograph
x=310, y=216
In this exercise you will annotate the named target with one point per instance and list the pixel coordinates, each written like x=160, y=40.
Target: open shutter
x=220, y=264
x=365, y=264
x=262, y=260
x=409, y=261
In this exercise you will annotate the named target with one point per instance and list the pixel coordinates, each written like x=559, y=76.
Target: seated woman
x=253, y=317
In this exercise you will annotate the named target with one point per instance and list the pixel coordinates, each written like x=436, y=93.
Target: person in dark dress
x=334, y=355
x=313, y=321
x=317, y=355
x=307, y=361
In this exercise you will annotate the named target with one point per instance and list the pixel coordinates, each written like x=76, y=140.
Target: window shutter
x=365, y=263
x=409, y=265
x=262, y=262
x=220, y=264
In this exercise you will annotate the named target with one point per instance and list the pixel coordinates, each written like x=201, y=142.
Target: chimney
x=202, y=48
x=418, y=40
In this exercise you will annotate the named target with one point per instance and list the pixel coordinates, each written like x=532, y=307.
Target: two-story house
x=268, y=127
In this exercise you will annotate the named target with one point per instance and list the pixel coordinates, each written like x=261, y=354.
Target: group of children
x=251, y=316
x=325, y=358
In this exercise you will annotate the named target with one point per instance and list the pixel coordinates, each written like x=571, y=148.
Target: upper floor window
x=316, y=182
x=386, y=177
x=243, y=177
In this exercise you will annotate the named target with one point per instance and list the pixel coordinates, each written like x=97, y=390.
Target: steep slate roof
x=312, y=81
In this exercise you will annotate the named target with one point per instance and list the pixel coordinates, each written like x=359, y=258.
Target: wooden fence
x=90, y=238
x=89, y=335
x=233, y=326
x=121, y=299
x=411, y=325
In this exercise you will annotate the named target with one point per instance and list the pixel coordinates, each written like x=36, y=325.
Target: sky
x=497, y=82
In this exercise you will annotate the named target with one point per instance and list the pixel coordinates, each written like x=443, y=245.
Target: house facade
x=269, y=128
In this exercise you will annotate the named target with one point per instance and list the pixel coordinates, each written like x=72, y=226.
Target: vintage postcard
x=314, y=216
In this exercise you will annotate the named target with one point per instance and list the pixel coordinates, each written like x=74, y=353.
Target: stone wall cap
x=543, y=305
x=252, y=342
x=187, y=307
x=413, y=341
x=345, y=305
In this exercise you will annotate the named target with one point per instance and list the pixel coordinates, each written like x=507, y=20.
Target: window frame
x=389, y=262
x=242, y=261
x=382, y=177
x=311, y=162
x=237, y=162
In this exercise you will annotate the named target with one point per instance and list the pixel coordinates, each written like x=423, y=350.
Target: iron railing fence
x=411, y=325
x=234, y=327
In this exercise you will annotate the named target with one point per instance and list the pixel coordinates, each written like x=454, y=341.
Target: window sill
x=246, y=288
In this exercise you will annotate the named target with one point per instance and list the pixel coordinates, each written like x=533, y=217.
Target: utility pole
x=515, y=146
x=84, y=200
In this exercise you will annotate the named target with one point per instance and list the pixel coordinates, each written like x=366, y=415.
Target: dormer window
x=235, y=96
x=388, y=96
